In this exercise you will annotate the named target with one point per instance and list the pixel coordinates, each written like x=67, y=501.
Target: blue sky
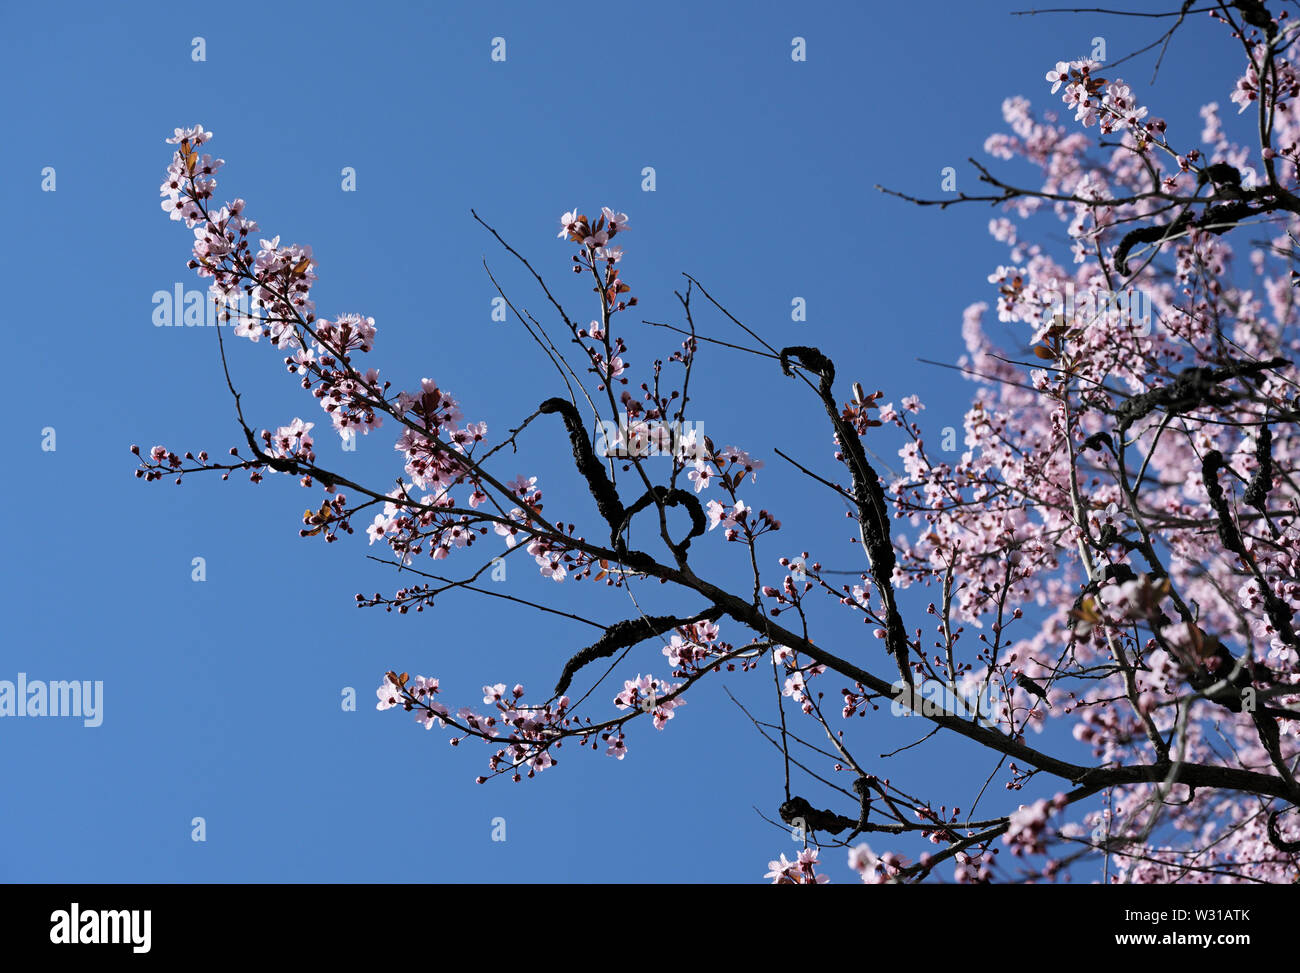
x=222, y=698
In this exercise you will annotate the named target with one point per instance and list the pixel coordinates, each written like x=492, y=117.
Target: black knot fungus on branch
x=1217, y=219
x=669, y=498
x=1275, y=834
x=797, y=812
x=868, y=494
x=1228, y=533
x=1096, y=441
x=1254, y=13
x=625, y=634
x=584, y=458
x=1279, y=613
x=1148, y=234
x=1193, y=388
x=1222, y=175
x=811, y=359
x=1261, y=483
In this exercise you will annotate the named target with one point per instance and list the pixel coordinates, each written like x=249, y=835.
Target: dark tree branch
x=625, y=634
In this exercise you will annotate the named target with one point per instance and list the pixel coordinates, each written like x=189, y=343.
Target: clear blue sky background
x=222, y=699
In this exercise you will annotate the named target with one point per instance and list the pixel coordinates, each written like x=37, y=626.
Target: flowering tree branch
x=1114, y=553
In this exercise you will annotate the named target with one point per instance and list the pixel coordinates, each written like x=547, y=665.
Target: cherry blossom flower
x=617, y=222
x=568, y=224
x=700, y=475
x=389, y=694
x=1059, y=75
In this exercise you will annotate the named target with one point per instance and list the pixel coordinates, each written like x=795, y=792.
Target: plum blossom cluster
x=411, y=522
x=692, y=646
x=278, y=278
x=873, y=869
x=190, y=178
x=598, y=258
x=421, y=692
x=796, y=682
x=595, y=238
x=422, y=514
x=555, y=559
x=796, y=585
x=727, y=469
x=801, y=871
x=1027, y=830
x=293, y=440
x=1280, y=82
x=651, y=696
x=1136, y=599
x=161, y=462
x=527, y=732
x=1110, y=105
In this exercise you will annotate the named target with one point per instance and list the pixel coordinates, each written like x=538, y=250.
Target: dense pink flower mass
x=1109, y=547
x=1154, y=531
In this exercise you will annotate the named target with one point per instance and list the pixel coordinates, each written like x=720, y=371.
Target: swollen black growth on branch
x=625, y=634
